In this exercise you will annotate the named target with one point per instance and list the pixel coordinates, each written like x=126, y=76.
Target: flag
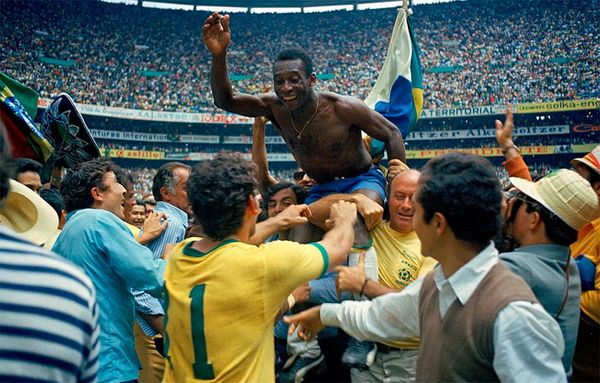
x=398, y=91
x=18, y=107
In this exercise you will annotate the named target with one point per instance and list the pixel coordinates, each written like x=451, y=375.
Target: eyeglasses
x=298, y=175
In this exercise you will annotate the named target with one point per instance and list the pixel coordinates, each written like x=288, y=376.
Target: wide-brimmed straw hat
x=27, y=214
x=592, y=159
x=565, y=193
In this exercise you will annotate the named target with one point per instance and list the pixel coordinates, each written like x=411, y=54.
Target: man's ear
x=253, y=205
x=535, y=220
x=440, y=224
x=312, y=79
x=165, y=194
x=96, y=194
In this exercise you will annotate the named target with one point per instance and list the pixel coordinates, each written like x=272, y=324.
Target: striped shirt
x=48, y=316
x=173, y=234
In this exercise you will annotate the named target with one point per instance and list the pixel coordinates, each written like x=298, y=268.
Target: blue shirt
x=100, y=243
x=174, y=233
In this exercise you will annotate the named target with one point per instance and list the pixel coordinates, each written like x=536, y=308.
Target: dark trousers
x=587, y=356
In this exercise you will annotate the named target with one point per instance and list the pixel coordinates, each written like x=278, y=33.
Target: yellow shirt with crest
x=222, y=305
x=400, y=262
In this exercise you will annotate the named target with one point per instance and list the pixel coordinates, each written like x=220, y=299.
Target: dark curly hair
x=298, y=191
x=296, y=54
x=218, y=191
x=464, y=188
x=79, y=181
x=27, y=165
x=54, y=199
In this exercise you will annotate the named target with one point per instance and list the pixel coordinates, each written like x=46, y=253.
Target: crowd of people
x=141, y=58
x=538, y=329
x=357, y=270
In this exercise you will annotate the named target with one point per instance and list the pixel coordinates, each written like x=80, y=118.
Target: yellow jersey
x=588, y=244
x=400, y=262
x=222, y=305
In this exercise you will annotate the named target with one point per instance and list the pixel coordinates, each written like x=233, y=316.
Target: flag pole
x=405, y=4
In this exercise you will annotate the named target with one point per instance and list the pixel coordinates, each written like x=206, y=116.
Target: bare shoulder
x=347, y=107
x=271, y=101
x=269, y=98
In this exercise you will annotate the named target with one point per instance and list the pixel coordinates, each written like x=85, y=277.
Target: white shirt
x=528, y=343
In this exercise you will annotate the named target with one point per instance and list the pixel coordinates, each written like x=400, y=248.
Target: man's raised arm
x=357, y=113
x=217, y=36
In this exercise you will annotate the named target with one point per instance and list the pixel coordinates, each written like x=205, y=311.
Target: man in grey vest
x=543, y=220
x=477, y=320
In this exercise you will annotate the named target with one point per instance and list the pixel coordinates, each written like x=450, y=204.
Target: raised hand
x=294, y=215
x=504, y=132
x=395, y=167
x=341, y=211
x=371, y=211
x=308, y=323
x=216, y=33
x=154, y=226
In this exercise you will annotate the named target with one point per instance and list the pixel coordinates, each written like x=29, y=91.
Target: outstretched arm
x=259, y=155
x=514, y=163
x=354, y=280
x=356, y=112
x=390, y=317
x=217, y=36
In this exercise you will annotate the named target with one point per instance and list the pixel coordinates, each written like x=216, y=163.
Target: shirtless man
x=321, y=129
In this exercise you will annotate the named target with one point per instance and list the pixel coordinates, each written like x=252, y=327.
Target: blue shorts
x=371, y=180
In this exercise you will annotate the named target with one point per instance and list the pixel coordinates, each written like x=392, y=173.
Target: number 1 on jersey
x=202, y=369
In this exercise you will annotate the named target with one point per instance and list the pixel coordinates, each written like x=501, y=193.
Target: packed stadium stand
x=472, y=52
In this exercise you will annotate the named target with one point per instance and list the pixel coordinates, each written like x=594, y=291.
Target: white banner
x=153, y=137
x=226, y=118
x=248, y=140
x=487, y=133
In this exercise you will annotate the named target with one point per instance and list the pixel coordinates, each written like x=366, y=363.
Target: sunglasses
x=298, y=175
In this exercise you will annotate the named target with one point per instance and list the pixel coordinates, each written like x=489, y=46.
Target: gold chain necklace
x=299, y=136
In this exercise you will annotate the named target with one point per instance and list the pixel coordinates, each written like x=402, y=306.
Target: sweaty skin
x=330, y=145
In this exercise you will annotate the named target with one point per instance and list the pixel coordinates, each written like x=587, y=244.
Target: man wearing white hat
x=543, y=220
x=587, y=252
x=48, y=314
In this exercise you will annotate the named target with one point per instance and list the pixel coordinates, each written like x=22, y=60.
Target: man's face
x=113, y=195
x=137, y=215
x=425, y=231
x=129, y=200
x=30, y=179
x=586, y=173
x=400, y=202
x=149, y=210
x=303, y=180
x=517, y=218
x=279, y=201
x=292, y=86
x=180, y=198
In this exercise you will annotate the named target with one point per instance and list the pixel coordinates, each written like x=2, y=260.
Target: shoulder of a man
x=38, y=257
x=518, y=262
x=300, y=253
